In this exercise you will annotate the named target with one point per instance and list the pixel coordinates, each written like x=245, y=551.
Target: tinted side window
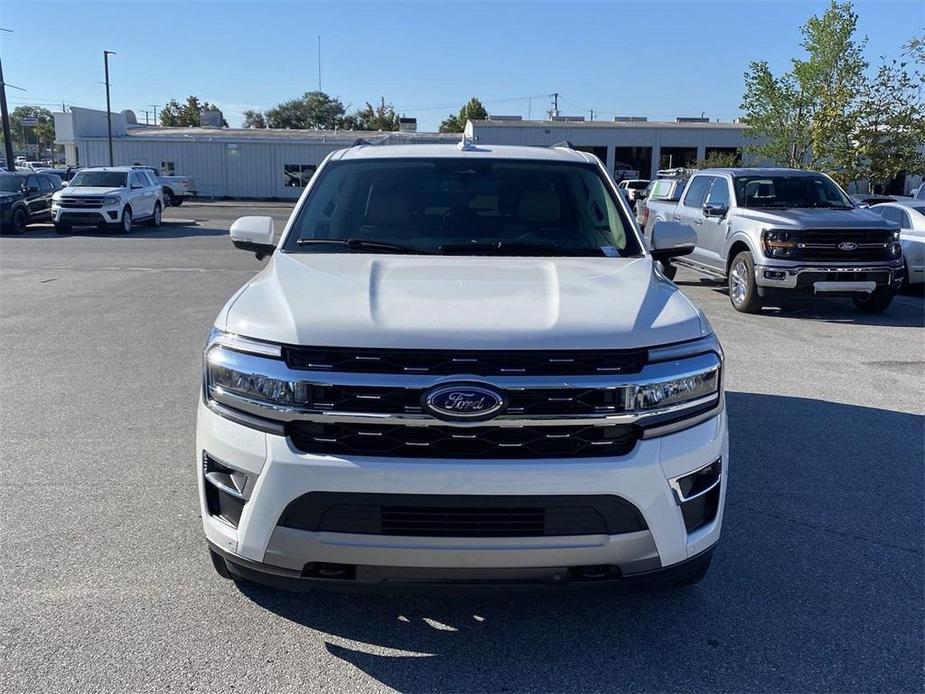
x=904, y=221
x=45, y=184
x=138, y=180
x=719, y=192
x=889, y=213
x=697, y=191
x=32, y=182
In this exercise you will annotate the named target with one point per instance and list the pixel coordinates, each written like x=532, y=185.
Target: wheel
x=175, y=201
x=697, y=573
x=218, y=563
x=156, y=218
x=743, y=291
x=125, y=226
x=170, y=200
x=63, y=228
x=20, y=221
x=876, y=302
x=668, y=269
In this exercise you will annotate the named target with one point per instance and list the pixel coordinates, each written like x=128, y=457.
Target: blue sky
x=659, y=58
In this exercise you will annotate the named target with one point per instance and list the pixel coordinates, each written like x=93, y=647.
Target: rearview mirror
x=253, y=234
x=715, y=210
x=672, y=239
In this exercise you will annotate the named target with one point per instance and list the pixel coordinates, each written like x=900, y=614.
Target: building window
x=168, y=168
x=632, y=162
x=297, y=175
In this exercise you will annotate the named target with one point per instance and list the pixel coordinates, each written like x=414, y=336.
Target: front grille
x=479, y=363
x=526, y=402
x=822, y=244
x=82, y=203
x=808, y=279
x=424, y=515
x=463, y=442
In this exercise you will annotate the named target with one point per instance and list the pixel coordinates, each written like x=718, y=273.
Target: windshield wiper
x=363, y=245
x=515, y=248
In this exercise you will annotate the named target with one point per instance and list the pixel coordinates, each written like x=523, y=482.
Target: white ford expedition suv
x=111, y=198
x=461, y=365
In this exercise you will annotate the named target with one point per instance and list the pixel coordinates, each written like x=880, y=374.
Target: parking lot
x=817, y=584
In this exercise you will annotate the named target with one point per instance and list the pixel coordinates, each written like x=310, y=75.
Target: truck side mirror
x=253, y=234
x=672, y=239
x=715, y=210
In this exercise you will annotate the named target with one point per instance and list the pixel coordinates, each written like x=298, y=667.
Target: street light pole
x=106, y=55
x=5, y=114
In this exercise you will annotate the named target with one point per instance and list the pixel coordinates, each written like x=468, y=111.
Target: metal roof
x=284, y=135
x=605, y=124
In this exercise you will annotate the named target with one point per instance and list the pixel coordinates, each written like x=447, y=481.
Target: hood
x=811, y=218
x=10, y=195
x=80, y=191
x=359, y=300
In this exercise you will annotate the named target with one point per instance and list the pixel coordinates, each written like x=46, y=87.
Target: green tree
x=311, y=111
x=42, y=134
x=380, y=117
x=188, y=114
x=471, y=110
x=719, y=160
x=804, y=117
x=254, y=119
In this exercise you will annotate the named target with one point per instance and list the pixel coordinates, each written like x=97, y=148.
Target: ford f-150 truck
x=460, y=365
x=782, y=232
x=176, y=189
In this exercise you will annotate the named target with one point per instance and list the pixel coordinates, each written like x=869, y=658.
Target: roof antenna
x=465, y=145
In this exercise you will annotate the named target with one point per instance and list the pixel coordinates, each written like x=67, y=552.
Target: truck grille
x=426, y=515
x=526, y=401
x=822, y=244
x=82, y=203
x=479, y=363
x=470, y=442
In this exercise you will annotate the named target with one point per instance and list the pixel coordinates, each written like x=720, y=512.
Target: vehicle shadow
x=167, y=231
x=813, y=585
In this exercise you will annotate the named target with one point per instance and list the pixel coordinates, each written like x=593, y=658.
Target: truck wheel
x=20, y=221
x=176, y=201
x=156, y=217
x=743, y=291
x=668, y=269
x=125, y=226
x=169, y=199
x=876, y=302
x=218, y=563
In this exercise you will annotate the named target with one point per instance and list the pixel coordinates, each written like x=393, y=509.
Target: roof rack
x=565, y=143
x=465, y=144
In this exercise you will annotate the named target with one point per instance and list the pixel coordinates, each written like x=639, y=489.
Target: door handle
x=676, y=218
x=699, y=222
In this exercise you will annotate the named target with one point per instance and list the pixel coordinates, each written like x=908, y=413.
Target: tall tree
x=42, y=134
x=187, y=114
x=379, y=117
x=311, y=111
x=254, y=119
x=471, y=110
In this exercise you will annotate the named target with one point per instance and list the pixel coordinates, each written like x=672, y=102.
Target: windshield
x=462, y=207
x=99, y=179
x=11, y=184
x=789, y=191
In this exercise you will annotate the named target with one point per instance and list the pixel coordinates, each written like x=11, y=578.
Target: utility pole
x=554, y=111
x=106, y=55
x=146, y=117
x=592, y=114
x=5, y=114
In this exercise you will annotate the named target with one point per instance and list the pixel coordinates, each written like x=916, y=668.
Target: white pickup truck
x=176, y=188
x=461, y=365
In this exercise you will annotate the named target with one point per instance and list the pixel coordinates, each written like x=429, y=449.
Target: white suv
x=108, y=197
x=461, y=365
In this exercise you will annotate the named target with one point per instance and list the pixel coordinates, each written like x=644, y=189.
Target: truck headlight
x=779, y=244
x=111, y=200
x=695, y=387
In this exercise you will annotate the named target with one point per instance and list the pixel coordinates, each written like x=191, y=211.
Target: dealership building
x=276, y=164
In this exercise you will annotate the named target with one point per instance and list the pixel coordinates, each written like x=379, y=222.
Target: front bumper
x=827, y=278
x=88, y=217
x=277, y=474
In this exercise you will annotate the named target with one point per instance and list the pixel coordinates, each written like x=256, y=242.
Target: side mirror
x=672, y=239
x=253, y=234
x=715, y=210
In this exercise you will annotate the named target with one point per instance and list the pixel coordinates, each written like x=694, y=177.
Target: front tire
x=156, y=217
x=125, y=225
x=19, y=222
x=170, y=200
x=743, y=290
x=876, y=302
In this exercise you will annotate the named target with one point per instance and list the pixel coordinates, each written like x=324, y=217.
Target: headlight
x=779, y=244
x=694, y=387
x=111, y=200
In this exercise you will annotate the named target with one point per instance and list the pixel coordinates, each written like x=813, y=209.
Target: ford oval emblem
x=463, y=401
x=847, y=246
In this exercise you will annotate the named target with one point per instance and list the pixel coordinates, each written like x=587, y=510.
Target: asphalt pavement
x=106, y=586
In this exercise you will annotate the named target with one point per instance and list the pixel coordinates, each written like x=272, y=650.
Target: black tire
x=20, y=221
x=175, y=201
x=697, y=573
x=668, y=269
x=743, y=290
x=125, y=224
x=156, y=217
x=877, y=301
x=63, y=228
x=170, y=200
x=218, y=563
